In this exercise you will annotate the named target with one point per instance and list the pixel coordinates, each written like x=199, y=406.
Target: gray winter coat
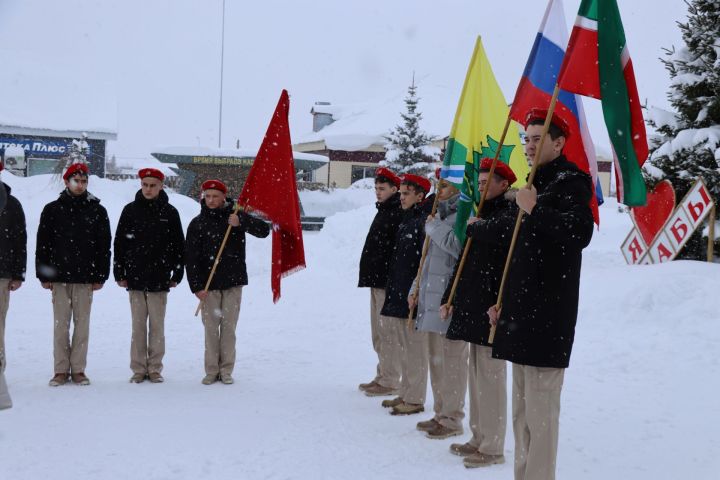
x=442, y=254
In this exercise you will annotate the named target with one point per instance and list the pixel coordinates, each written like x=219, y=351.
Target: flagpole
x=426, y=247
x=483, y=196
x=217, y=259
x=711, y=234
x=531, y=177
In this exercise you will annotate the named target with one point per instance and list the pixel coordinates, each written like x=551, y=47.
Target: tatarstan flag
x=475, y=134
x=597, y=64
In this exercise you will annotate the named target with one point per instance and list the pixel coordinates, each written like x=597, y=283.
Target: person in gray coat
x=447, y=359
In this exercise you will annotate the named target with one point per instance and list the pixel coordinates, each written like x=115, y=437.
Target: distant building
x=45, y=108
x=31, y=151
x=352, y=137
x=194, y=165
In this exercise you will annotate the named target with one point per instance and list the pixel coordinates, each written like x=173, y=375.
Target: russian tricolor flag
x=536, y=88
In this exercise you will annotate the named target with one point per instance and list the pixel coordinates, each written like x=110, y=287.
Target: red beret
x=438, y=171
x=387, y=173
x=214, y=185
x=422, y=182
x=502, y=169
x=151, y=172
x=541, y=114
x=74, y=169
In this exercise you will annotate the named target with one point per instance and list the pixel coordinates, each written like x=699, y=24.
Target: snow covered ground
x=640, y=398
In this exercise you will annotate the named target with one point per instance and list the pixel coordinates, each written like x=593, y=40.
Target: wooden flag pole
x=426, y=247
x=711, y=234
x=468, y=241
x=217, y=259
x=531, y=177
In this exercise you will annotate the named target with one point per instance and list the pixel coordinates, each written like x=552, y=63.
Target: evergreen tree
x=408, y=147
x=688, y=142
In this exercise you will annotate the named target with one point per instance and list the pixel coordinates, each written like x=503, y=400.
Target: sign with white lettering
x=38, y=147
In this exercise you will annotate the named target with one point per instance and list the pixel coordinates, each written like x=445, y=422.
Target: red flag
x=271, y=190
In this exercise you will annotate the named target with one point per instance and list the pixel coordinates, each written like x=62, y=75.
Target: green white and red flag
x=597, y=64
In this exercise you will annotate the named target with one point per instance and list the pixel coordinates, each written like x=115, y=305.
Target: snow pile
x=642, y=374
x=318, y=203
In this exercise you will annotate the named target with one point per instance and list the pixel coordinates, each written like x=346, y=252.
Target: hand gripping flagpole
x=468, y=241
x=217, y=259
x=531, y=177
x=426, y=247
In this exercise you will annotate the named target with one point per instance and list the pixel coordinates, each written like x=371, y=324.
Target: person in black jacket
x=536, y=326
x=406, y=343
x=221, y=299
x=374, y=265
x=477, y=290
x=73, y=260
x=148, y=262
x=13, y=253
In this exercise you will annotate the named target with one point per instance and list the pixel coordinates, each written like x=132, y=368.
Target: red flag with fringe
x=271, y=190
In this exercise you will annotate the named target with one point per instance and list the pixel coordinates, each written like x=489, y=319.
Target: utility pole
x=222, y=66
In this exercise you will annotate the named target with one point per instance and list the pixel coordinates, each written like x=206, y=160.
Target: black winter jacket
x=149, y=245
x=73, y=241
x=379, y=243
x=405, y=259
x=479, y=282
x=540, y=300
x=13, y=238
x=204, y=237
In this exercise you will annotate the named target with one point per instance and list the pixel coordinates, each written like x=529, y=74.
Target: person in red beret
x=148, y=261
x=536, y=327
x=477, y=289
x=374, y=264
x=73, y=260
x=405, y=346
x=221, y=299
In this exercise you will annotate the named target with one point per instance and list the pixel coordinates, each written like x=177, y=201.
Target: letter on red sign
x=635, y=249
x=663, y=253
x=679, y=230
x=696, y=209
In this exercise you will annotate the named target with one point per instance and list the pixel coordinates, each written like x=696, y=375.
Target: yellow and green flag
x=476, y=131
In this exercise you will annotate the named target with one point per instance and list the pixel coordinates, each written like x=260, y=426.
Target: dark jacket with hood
x=73, y=240
x=149, y=245
x=540, y=300
x=204, y=237
x=13, y=238
x=477, y=289
x=379, y=243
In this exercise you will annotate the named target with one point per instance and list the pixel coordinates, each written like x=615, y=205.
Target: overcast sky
x=163, y=56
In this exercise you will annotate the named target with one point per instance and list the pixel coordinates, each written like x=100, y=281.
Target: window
x=359, y=172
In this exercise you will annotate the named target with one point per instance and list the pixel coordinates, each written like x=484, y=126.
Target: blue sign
x=38, y=147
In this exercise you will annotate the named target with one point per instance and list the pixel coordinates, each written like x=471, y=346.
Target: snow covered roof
x=43, y=99
x=130, y=166
x=358, y=126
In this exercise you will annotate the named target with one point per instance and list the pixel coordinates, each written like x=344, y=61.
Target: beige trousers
x=220, y=313
x=71, y=301
x=448, y=361
x=414, y=361
x=488, y=400
x=147, y=345
x=536, y=419
x=384, y=342
x=4, y=304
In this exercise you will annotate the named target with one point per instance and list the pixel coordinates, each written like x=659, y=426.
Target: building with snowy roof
x=194, y=165
x=45, y=109
x=352, y=136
